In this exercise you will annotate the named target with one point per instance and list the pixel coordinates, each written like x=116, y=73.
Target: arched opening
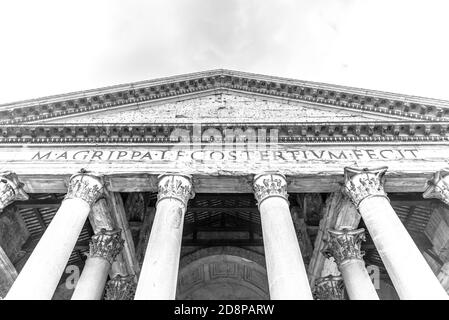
x=222, y=276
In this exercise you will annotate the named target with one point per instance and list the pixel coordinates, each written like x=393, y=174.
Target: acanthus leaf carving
x=438, y=186
x=106, y=244
x=344, y=245
x=361, y=184
x=11, y=189
x=270, y=185
x=174, y=186
x=85, y=187
x=121, y=288
x=329, y=288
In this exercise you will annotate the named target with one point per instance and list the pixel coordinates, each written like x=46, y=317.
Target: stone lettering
x=38, y=156
x=211, y=155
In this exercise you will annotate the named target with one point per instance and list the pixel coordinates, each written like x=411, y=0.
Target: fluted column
x=120, y=288
x=103, y=249
x=159, y=273
x=10, y=189
x=407, y=268
x=344, y=247
x=287, y=277
x=329, y=288
x=42, y=272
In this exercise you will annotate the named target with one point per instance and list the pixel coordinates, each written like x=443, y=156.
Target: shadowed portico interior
x=227, y=225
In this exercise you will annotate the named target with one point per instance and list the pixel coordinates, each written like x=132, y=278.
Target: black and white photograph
x=224, y=154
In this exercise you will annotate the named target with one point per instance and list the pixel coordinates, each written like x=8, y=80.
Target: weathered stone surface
x=437, y=230
x=301, y=233
x=13, y=233
x=221, y=108
x=144, y=234
x=189, y=255
x=7, y=274
x=224, y=81
x=214, y=169
x=339, y=213
x=222, y=277
x=126, y=262
x=311, y=207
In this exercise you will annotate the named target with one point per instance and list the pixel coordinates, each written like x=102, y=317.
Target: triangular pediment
x=224, y=96
x=222, y=107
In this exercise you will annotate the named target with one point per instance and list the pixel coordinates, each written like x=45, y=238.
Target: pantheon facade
x=224, y=185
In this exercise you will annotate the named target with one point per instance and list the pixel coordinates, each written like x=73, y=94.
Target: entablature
x=295, y=132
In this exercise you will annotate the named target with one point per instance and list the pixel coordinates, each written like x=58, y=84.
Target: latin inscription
x=205, y=155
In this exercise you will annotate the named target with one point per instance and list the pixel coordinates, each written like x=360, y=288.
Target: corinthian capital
x=329, y=288
x=175, y=186
x=270, y=185
x=361, y=184
x=106, y=244
x=120, y=288
x=85, y=187
x=438, y=186
x=10, y=189
x=344, y=245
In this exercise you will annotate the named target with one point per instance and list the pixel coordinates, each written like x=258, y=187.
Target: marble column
x=287, y=277
x=443, y=276
x=103, y=249
x=10, y=189
x=408, y=270
x=120, y=288
x=344, y=247
x=159, y=274
x=329, y=288
x=41, y=274
x=438, y=187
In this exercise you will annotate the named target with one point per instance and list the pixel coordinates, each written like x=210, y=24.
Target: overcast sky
x=51, y=47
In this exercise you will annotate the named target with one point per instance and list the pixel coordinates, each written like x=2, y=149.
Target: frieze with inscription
x=223, y=160
x=224, y=155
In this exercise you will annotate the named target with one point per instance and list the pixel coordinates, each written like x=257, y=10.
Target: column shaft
x=159, y=273
x=438, y=187
x=357, y=281
x=287, y=276
x=345, y=247
x=104, y=248
x=407, y=268
x=11, y=189
x=41, y=274
x=91, y=284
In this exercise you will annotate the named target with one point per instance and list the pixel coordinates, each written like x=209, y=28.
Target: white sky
x=51, y=47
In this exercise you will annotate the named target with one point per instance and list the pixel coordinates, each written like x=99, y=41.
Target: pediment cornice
x=407, y=107
x=326, y=132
